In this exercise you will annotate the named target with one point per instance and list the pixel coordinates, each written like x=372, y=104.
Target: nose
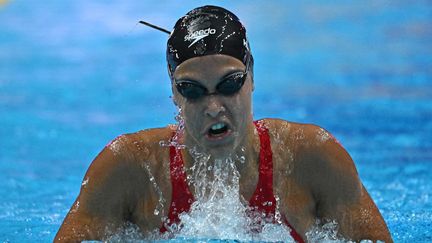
x=214, y=107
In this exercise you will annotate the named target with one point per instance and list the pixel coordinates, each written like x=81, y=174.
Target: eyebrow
x=227, y=74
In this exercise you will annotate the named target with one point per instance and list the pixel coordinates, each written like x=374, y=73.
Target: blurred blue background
x=75, y=74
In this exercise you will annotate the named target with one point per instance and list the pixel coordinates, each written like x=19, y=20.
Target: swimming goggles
x=230, y=85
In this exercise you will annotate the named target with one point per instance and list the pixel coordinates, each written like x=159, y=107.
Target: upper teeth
x=217, y=126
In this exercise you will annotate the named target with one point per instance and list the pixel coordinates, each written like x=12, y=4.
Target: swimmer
x=210, y=65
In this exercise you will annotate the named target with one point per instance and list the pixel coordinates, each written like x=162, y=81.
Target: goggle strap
x=155, y=27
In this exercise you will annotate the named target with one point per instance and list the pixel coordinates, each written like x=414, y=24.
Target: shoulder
x=297, y=136
x=327, y=167
x=133, y=149
x=141, y=142
x=320, y=161
x=308, y=138
x=116, y=169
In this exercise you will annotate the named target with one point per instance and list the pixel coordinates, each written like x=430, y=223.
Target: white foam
x=326, y=232
x=219, y=211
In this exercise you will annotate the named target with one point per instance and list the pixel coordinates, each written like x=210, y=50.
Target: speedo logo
x=198, y=35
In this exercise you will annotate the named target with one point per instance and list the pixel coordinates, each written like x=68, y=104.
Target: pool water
x=75, y=74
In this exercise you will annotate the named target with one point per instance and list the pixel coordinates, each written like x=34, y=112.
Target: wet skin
x=314, y=177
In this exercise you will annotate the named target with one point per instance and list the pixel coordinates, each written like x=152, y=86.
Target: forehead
x=208, y=67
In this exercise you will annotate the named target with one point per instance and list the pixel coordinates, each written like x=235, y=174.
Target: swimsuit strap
x=181, y=197
x=263, y=199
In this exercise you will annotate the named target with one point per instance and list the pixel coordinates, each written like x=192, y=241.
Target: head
x=211, y=69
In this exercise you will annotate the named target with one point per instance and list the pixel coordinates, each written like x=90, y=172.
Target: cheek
x=187, y=113
x=243, y=102
x=190, y=116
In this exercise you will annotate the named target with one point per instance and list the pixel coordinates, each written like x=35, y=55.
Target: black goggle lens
x=190, y=89
x=229, y=86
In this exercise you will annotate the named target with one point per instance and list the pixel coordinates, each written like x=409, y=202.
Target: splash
x=219, y=211
x=128, y=233
x=161, y=199
x=175, y=140
x=328, y=232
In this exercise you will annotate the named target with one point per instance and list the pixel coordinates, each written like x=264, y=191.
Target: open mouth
x=218, y=130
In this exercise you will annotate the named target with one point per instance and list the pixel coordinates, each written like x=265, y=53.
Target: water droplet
x=84, y=183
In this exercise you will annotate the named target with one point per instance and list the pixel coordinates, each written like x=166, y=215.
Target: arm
x=102, y=206
x=341, y=196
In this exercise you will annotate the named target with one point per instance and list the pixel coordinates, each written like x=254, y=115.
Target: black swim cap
x=204, y=31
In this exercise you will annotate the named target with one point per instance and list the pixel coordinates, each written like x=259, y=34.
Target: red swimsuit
x=182, y=198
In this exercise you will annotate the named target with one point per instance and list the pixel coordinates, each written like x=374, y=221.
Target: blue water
x=75, y=74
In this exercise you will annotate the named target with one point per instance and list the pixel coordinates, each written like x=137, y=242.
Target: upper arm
x=340, y=194
x=102, y=203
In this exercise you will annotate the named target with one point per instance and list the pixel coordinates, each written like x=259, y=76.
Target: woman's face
x=216, y=122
